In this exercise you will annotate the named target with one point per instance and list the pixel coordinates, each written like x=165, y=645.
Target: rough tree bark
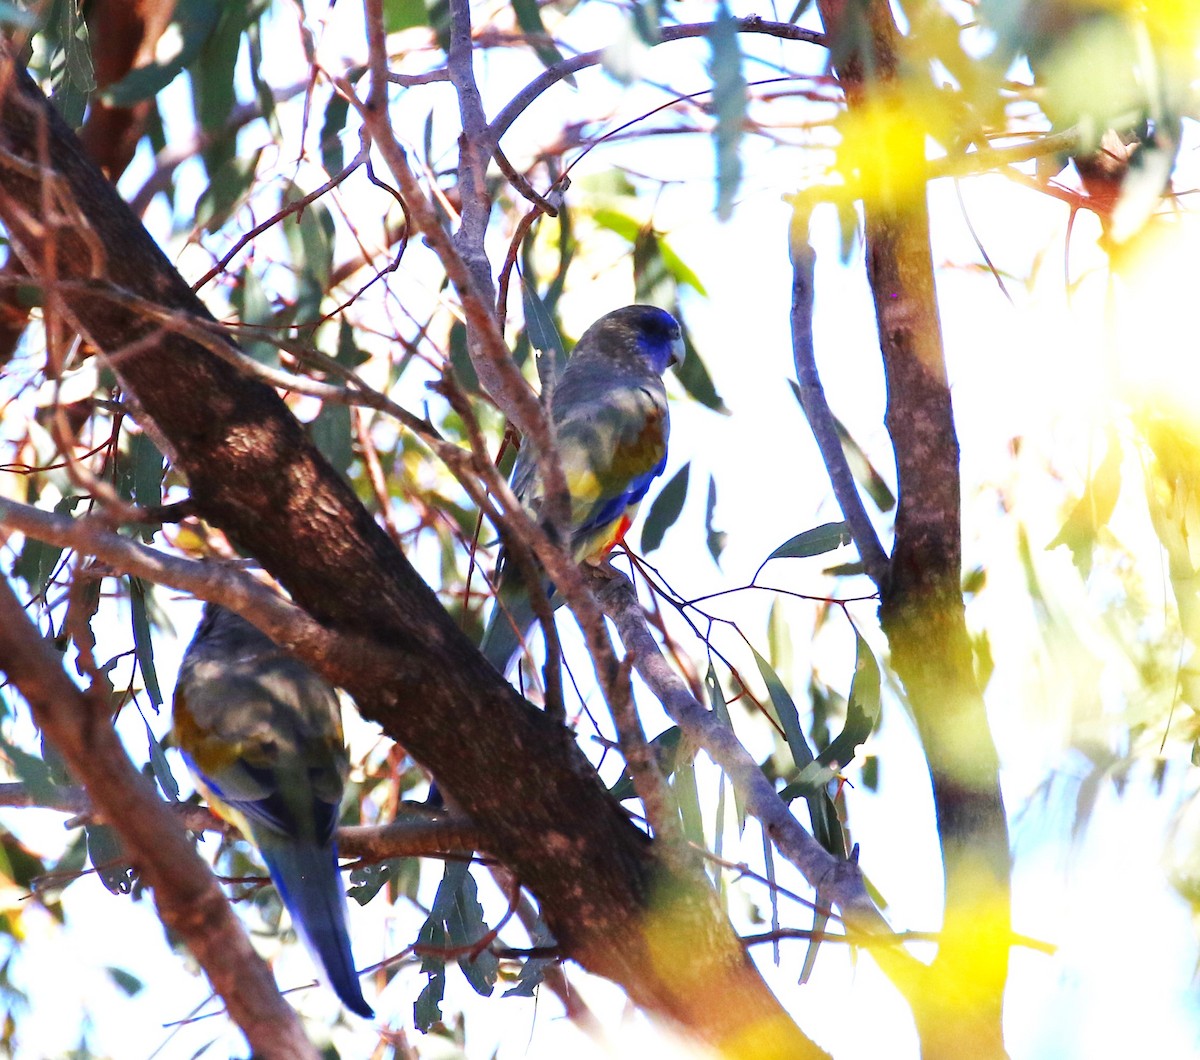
x=612, y=903
x=921, y=602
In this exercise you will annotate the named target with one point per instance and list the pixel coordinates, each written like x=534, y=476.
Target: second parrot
x=262, y=734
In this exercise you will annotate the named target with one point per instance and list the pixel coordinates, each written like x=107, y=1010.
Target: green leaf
x=543, y=335
x=820, y=919
x=427, y=1009
x=814, y=542
x=147, y=470
x=534, y=968
x=618, y=222
x=31, y=771
x=460, y=358
x=403, y=14
x=161, y=768
x=785, y=711
x=665, y=748
x=687, y=795
x=194, y=22
x=333, y=154
x=862, y=708
x=333, y=433
x=143, y=647
x=714, y=538
x=716, y=696
x=773, y=890
x=825, y=825
x=529, y=18
x=693, y=374
x=652, y=280
x=683, y=273
x=465, y=926
x=128, y=983
x=250, y=302
x=227, y=190
x=729, y=102
x=367, y=880
x=106, y=855
x=665, y=510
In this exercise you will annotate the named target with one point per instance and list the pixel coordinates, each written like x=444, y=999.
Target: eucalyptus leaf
x=665, y=510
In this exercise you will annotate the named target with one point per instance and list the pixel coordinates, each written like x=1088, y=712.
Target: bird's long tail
x=509, y=623
x=307, y=877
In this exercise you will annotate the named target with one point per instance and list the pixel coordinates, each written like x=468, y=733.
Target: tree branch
x=816, y=408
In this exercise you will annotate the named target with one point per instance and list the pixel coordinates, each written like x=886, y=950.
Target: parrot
x=609, y=410
x=262, y=736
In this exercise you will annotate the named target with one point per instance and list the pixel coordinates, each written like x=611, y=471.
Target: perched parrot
x=262, y=734
x=609, y=409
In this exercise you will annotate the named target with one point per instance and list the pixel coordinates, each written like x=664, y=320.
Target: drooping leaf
x=213, y=80
x=333, y=433
x=870, y=480
x=366, y=881
x=194, y=23
x=665, y=510
x=729, y=102
x=814, y=542
x=142, y=644
x=862, y=708
x=333, y=154
x=226, y=191
x=106, y=855
x=543, y=336
x=769, y=864
x=31, y=770
x=826, y=827
x=716, y=697
x=694, y=376
x=529, y=18
x=714, y=538
x=128, y=983
x=464, y=926
x=534, y=968
x=161, y=768
x=665, y=748
x=687, y=795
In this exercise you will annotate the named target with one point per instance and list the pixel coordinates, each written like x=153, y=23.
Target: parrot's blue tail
x=310, y=885
x=512, y=611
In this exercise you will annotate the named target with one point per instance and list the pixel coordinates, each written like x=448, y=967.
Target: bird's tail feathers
x=508, y=625
x=309, y=882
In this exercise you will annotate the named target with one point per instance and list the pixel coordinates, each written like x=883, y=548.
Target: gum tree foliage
x=381, y=228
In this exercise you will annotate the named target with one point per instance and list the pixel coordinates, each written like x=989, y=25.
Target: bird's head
x=643, y=334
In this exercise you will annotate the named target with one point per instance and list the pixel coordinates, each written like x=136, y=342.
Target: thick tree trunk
x=922, y=611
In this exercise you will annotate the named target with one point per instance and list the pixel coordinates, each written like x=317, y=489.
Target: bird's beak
x=678, y=351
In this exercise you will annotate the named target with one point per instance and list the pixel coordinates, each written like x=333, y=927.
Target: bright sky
x=1127, y=943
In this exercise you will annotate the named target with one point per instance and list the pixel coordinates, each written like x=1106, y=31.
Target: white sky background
x=1124, y=971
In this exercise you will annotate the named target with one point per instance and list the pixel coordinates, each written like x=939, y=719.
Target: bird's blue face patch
x=660, y=340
